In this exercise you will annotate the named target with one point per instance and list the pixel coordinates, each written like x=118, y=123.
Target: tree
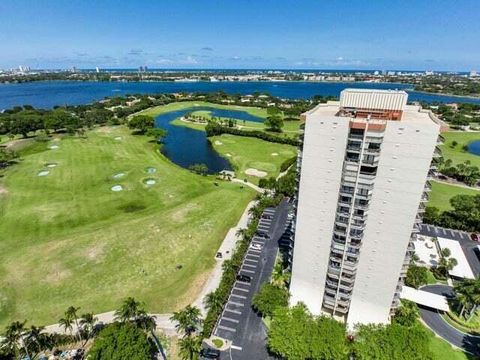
x=71, y=314
x=416, y=276
x=141, y=123
x=187, y=320
x=157, y=133
x=213, y=300
x=6, y=157
x=88, y=322
x=297, y=335
x=274, y=123
x=445, y=264
x=190, y=347
x=67, y=324
x=13, y=338
x=129, y=310
x=200, y=169
x=269, y=298
x=121, y=341
x=468, y=295
x=406, y=314
x=392, y=342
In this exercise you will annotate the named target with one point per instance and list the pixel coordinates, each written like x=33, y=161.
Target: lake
x=185, y=146
x=46, y=94
x=474, y=147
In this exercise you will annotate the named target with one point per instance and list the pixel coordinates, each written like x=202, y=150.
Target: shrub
x=269, y=298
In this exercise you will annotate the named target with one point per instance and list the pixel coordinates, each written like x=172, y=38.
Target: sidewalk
x=253, y=186
x=227, y=247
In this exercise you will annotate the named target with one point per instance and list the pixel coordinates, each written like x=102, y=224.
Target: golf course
x=88, y=221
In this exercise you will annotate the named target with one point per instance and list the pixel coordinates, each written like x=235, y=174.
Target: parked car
x=209, y=353
x=244, y=278
x=256, y=246
x=263, y=234
x=219, y=255
x=475, y=237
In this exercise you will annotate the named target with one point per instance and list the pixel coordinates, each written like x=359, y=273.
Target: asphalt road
x=435, y=322
x=238, y=322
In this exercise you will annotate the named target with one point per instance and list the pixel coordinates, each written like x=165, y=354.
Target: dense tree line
x=213, y=129
x=464, y=172
x=465, y=214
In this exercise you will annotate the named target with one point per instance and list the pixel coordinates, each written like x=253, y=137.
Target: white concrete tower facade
x=364, y=169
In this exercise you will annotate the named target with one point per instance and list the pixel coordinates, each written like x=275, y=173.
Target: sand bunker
x=53, y=147
x=118, y=175
x=255, y=172
x=149, y=181
x=43, y=173
x=117, y=188
x=218, y=142
x=3, y=191
x=150, y=170
x=51, y=165
x=274, y=154
x=117, y=138
x=228, y=154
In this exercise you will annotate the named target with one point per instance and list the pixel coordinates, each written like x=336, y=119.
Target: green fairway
x=246, y=153
x=457, y=154
x=442, y=193
x=442, y=350
x=68, y=239
x=157, y=110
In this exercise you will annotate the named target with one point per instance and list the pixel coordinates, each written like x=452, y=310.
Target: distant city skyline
x=399, y=35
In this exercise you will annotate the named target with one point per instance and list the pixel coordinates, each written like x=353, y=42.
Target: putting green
x=68, y=239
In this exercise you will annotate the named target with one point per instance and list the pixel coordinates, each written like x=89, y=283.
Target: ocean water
x=46, y=94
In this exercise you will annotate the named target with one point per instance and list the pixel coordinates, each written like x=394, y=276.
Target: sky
x=273, y=34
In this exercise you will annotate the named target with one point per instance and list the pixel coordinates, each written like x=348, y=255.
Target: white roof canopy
x=425, y=298
x=462, y=269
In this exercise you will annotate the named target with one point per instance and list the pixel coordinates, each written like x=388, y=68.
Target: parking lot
x=238, y=322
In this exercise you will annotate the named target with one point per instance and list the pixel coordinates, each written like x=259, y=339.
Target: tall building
x=363, y=186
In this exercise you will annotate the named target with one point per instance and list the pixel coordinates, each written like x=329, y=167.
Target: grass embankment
x=67, y=239
x=442, y=350
x=247, y=153
x=457, y=153
x=442, y=193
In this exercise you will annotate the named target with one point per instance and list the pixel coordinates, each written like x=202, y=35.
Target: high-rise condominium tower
x=363, y=186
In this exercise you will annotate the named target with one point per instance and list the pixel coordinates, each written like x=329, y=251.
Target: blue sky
x=353, y=34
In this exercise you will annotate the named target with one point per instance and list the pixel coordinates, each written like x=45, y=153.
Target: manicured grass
x=457, y=154
x=442, y=193
x=67, y=239
x=444, y=351
x=154, y=111
x=246, y=152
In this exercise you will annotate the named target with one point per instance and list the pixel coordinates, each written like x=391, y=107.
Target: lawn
x=67, y=239
x=442, y=193
x=444, y=351
x=245, y=152
x=457, y=154
x=157, y=110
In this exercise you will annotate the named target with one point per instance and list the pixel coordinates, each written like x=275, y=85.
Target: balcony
x=437, y=152
x=428, y=187
x=440, y=140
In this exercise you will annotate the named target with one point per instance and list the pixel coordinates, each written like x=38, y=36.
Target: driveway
x=238, y=322
x=434, y=321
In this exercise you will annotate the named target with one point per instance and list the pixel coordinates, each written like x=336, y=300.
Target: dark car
x=244, y=278
x=475, y=237
x=210, y=353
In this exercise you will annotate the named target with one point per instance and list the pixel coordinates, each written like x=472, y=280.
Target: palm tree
x=36, y=337
x=71, y=314
x=88, y=322
x=468, y=295
x=407, y=313
x=190, y=347
x=67, y=324
x=14, y=337
x=129, y=310
x=213, y=300
x=188, y=320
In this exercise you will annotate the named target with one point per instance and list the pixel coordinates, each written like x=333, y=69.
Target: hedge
x=216, y=129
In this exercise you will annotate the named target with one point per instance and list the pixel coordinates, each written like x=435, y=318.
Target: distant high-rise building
x=363, y=187
x=97, y=69
x=473, y=73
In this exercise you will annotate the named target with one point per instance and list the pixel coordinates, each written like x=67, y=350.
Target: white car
x=256, y=246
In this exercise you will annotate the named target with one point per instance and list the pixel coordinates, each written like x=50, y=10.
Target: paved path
x=227, y=247
x=253, y=186
x=456, y=183
x=433, y=319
